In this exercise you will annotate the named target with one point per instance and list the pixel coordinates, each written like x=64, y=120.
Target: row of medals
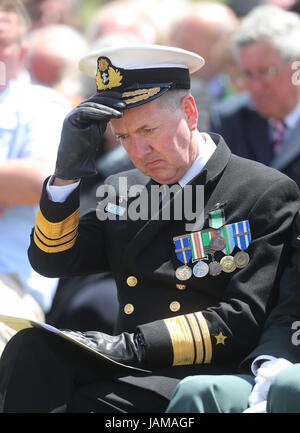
x=227, y=263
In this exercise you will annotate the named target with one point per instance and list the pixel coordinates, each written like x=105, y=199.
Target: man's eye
x=149, y=130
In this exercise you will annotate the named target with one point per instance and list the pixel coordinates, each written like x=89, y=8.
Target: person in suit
x=268, y=375
x=263, y=123
x=193, y=289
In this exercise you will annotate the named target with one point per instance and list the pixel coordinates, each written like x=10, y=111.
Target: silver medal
x=200, y=269
x=215, y=268
x=183, y=273
x=217, y=243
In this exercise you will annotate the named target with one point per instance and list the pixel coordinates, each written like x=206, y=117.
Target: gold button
x=129, y=309
x=174, y=306
x=131, y=281
x=181, y=286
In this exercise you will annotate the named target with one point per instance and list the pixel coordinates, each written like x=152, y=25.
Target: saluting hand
x=82, y=133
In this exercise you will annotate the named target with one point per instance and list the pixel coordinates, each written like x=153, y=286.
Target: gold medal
x=184, y=273
x=241, y=259
x=228, y=264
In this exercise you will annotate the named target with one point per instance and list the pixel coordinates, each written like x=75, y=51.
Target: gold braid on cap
x=139, y=95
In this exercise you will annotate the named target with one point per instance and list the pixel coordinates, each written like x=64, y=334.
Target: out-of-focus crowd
x=59, y=36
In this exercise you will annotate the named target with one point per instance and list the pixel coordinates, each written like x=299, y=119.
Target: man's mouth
x=154, y=163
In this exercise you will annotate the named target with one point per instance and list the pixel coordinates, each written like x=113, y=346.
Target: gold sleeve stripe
x=55, y=237
x=53, y=249
x=182, y=340
x=55, y=242
x=198, y=338
x=190, y=339
x=57, y=230
x=206, y=337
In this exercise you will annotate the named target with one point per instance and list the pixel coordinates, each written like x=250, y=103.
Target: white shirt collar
x=206, y=152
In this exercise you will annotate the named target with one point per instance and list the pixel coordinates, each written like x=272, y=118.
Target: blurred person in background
x=263, y=123
x=284, y=4
x=295, y=7
x=163, y=14
x=202, y=29
x=30, y=124
x=122, y=17
x=148, y=20
x=48, y=12
x=54, y=52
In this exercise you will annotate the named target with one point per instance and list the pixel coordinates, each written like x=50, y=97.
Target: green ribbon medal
x=216, y=218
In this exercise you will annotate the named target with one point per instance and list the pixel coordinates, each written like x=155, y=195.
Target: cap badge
x=107, y=76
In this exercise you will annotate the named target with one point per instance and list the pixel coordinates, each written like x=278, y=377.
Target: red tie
x=278, y=135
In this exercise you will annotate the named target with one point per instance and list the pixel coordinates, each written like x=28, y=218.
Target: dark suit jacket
x=233, y=305
x=281, y=334
x=247, y=134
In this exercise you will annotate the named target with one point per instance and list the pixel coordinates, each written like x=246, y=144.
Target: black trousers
x=42, y=373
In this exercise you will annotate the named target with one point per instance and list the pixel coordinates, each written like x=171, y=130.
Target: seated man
x=197, y=270
x=276, y=387
x=263, y=124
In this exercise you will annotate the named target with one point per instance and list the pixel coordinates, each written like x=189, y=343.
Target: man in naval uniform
x=193, y=293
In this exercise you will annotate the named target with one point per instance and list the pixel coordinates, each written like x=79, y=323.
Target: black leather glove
x=126, y=348
x=82, y=133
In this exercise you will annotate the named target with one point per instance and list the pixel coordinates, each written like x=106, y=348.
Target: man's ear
x=190, y=111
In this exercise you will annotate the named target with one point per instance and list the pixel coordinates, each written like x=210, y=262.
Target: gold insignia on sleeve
x=220, y=338
x=190, y=339
x=55, y=237
x=107, y=76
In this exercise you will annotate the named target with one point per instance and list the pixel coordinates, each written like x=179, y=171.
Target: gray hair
x=279, y=27
x=171, y=99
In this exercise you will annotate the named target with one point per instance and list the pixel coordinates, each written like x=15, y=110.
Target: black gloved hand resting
x=127, y=348
x=82, y=133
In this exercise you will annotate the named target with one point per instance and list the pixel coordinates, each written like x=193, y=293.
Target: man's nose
x=141, y=146
x=255, y=85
